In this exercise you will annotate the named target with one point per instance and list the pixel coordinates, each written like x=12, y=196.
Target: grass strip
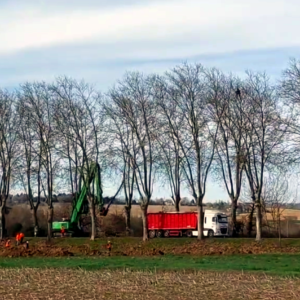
x=275, y=264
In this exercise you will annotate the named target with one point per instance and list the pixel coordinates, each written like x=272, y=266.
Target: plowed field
x=134, y=247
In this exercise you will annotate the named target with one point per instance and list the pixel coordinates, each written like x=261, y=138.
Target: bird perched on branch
x=238, y=93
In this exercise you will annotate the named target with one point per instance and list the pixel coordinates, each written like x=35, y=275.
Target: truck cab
x=215, y=223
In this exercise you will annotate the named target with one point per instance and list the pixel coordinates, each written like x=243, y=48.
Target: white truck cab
x=215, y=224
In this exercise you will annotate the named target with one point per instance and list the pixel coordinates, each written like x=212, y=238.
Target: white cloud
x=196, y=26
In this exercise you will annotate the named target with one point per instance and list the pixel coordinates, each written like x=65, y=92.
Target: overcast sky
x=99, y=40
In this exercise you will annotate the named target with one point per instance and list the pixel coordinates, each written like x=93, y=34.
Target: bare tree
x=26, y=170
x=194, y=133
x=122, y=151
x=136, y=109
x=263, y=135
x=9, y=151
x=276, y=195
x=225, y=110
x=170, y=155
x=38, y=102
x=78, y=121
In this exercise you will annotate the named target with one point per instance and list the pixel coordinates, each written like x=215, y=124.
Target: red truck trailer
x=171, y=224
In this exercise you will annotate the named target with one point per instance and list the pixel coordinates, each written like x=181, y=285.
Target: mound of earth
x=197, y=248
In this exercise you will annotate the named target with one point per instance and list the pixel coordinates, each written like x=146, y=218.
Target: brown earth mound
x=145, y=249
x=35, y=251
x=215, y=248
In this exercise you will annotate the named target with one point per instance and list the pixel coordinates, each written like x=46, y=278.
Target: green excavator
x=90, y=183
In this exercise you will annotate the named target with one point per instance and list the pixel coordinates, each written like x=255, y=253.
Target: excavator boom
x=91, y=183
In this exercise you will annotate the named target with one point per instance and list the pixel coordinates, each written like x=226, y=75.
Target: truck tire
x=159, y=233
x=210, y=233
x=152, y=234
x=189, y=233
x=166, y=233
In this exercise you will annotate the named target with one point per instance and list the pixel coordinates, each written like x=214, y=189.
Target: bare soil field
x=135, y=247
x=285, y=213
x=78, y=284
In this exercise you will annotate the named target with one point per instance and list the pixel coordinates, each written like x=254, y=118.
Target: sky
x=98, y=40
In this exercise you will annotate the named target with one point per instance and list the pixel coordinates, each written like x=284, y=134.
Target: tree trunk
x=279, y=230
x=177, y=201
x=127, y=219
x=250, y=221
x=2, y=223
x=50, y=219
x=93, y=219
x=145, y=222
x=233, y=216
x=35, y=220
x=200, y=222
x=258, y=221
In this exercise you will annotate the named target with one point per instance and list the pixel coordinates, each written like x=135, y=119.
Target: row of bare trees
x=181, y=128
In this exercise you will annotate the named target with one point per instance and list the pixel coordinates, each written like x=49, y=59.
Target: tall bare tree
x=27, y=171
x=194, y=133
x=225, y=110
x=39, y=103
x=170, y=155
x=122, y=151
x=9, y=151
x=77, y=121
x=263, y=135
x=136, y=109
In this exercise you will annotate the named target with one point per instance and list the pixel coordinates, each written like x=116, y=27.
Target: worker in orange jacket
x=18, y=239
x=21, y=236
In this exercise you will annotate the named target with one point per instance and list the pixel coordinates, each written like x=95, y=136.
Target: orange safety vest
x=21, y=236
x=18, y=237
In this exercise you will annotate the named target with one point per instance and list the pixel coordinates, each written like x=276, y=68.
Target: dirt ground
x=135, y=247
x=78, y=284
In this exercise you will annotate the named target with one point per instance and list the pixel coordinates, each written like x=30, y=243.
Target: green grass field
x=275, y=264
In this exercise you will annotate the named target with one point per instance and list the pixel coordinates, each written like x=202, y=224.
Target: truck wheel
x=151, y=234
x=210, y=233
x=189, y=233
x=159, y=233
x=167, y=233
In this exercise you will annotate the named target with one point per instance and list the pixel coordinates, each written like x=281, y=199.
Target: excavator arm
x=93, y=177
x=91, y=186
